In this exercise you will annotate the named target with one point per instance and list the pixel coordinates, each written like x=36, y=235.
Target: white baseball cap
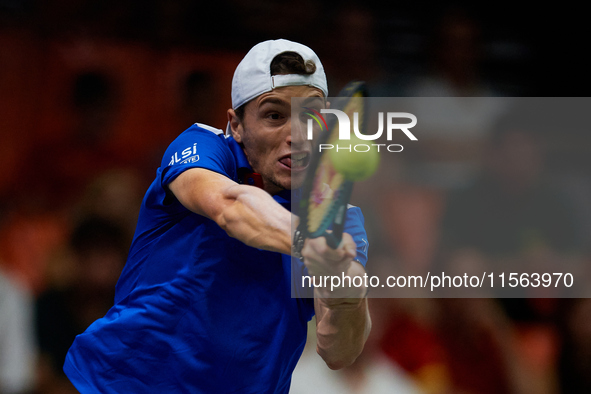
x=253, y=75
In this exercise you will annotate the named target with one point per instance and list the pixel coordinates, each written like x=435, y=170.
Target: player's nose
x=296, y=136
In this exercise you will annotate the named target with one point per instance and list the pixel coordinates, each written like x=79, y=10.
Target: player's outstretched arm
x=245, y=212
x=342, y=315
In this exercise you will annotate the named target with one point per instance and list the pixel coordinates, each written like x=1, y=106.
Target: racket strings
x=328, y=187
x=325, y=191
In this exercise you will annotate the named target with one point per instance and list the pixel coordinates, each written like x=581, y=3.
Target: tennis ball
x=355, y=159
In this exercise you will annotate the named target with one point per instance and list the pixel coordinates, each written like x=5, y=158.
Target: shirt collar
x=241, y=160
x=283, y=197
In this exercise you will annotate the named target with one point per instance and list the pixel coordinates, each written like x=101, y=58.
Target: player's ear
x=327, y=104
x=235, y=125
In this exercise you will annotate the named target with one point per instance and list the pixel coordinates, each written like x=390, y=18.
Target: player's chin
x=297, y=180
x=290, y=174
x=290, y=180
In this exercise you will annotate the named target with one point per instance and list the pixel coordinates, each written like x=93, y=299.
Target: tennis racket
x=325, y=191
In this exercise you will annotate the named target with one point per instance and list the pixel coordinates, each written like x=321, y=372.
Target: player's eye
x=274, y=116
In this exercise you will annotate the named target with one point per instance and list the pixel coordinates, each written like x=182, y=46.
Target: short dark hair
x=285, y=63
x=291, y=63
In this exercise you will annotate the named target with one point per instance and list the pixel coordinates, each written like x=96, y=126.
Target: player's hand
x=321, y=259
x=325, y=263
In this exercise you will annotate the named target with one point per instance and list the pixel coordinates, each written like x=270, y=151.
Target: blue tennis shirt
x=197, y=311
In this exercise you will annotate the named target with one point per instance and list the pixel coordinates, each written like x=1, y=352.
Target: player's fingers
x=316, y=266
x=348, y=246
x=323, y=260
x=313, y=250
x=321, y=248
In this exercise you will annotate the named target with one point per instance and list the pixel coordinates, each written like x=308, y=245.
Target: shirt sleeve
x=354, y=226
x=197, y=147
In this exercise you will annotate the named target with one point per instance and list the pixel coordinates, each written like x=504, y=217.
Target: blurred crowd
x=91, y=93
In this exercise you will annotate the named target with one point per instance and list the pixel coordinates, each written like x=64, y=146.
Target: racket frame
x=336, y=213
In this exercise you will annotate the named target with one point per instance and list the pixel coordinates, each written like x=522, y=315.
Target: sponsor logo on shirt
x=188, y=155
x=365, y=245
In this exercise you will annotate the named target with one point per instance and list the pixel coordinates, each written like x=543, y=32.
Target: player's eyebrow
x=273, y=100
x=313, y=101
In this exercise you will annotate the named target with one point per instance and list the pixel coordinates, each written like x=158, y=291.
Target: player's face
x=275, y=150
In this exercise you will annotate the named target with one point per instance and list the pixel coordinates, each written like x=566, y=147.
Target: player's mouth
x=296, y=161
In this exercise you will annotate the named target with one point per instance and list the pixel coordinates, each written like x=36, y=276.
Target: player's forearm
x=343, y=324
x=341, y=332
x=245, y=212
x=255, y=218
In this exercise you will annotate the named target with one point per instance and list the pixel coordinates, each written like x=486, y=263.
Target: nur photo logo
x=389, y=121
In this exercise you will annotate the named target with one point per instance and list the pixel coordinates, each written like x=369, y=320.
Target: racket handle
x=334, y=238
x=333, y=241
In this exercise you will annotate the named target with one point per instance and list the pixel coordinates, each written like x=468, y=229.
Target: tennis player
x=204, y=303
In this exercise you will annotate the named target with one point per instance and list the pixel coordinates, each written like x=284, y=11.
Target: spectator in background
x=58, y=170
x=114, y=196
x=197, y=92
x=510, y=211
x=56, y=173
x=575, y=357
x=511, y=220
x=455, y=113
x=455, y=127
x=350, y=40
x=455, y=53
x=17, y=349
x=64, y=310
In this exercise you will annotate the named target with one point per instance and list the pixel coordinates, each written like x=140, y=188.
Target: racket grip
x=332, y=240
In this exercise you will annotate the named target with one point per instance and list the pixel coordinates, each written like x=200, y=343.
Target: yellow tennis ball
x=355, y=159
